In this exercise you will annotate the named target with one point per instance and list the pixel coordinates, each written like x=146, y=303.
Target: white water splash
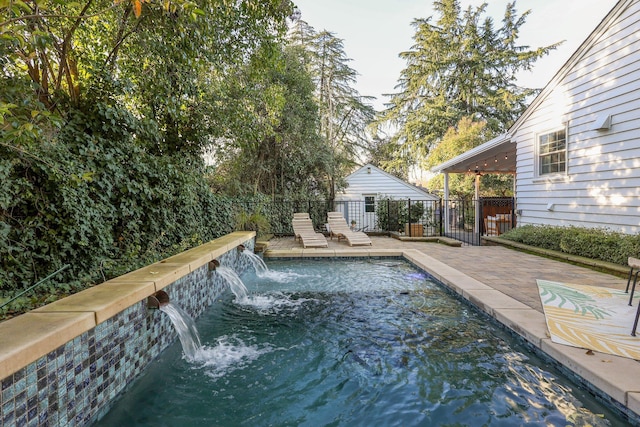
x=229, y=354
x=283, y=276
x=235, y=283
x=258, y=264
x=186, y=329
x=273, y=303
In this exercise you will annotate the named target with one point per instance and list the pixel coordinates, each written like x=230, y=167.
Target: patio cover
x=495, y=156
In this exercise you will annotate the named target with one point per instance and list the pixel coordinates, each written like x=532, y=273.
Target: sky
x=374, y=32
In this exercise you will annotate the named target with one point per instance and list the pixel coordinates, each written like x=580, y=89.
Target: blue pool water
x=352, y=343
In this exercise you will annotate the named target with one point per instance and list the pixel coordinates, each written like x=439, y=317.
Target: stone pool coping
x=30, y=336
x=25, y=339
x=614, y=376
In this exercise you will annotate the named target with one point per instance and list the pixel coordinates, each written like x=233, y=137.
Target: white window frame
x=373, y=205
x=538, y=155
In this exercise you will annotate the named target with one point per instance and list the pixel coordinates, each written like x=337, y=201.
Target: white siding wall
x=602, y=186
x=378, y=182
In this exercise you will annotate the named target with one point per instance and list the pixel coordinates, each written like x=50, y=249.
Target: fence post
x=388, y=216
x=442, y=209
x=409, y=217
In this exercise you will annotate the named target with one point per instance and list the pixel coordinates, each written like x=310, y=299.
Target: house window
x=369, y=203
x=552, y=152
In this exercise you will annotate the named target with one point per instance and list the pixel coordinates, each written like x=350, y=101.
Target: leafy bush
x=391, y=214
x=94, y=197
x=416, y=211
x=595, y=243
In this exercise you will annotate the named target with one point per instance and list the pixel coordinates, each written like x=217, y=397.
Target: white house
x=366, y=186
x=575, y=150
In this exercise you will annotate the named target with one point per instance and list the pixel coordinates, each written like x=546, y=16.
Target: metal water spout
x=157, y=300
x=213, y=264
x=241, y=248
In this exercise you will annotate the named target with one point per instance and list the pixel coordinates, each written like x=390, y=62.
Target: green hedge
x=96, y=197
x=594, y=243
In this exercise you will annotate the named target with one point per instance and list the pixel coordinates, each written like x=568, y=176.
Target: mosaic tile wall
x=74, y=385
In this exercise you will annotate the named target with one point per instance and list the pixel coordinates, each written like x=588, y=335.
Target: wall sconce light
x=505, y=156
x=368, y=169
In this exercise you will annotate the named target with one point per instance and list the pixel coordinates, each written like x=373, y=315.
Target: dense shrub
x=594, y=243
x=95, y=198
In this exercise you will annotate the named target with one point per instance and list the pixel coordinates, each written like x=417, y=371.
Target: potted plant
x=414, y=227
x=353, y=225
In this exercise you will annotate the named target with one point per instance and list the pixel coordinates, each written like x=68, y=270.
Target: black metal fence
x=412, y=217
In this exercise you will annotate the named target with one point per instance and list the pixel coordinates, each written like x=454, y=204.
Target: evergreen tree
x=344, y=113
x=460, y=65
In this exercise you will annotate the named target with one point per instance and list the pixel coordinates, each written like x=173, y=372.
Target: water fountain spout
x=185, y=328
x=241, y=248
x=235, y=283
x=256, y=261
x=157, y=300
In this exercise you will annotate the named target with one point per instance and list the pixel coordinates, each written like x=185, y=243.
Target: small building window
x=369, y=203
x=552, y=152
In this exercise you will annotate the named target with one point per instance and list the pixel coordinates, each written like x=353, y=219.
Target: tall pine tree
x=460, y=66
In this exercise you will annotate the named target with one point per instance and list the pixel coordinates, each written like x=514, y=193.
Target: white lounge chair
x=338, y=227
x=305, y=233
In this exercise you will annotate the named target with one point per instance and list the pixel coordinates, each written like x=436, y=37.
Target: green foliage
x=594, y=243
x=344, y=114
x=99, y=202
x=460, y=65
x=416, y=210
x=104, y=112
x=542, y=236
x=254, y=221
x=393, y=214
x=389, y=214
x=466, y=135
x=496, y=185
x=281, y=153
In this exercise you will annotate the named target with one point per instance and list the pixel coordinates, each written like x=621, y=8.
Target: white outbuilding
x=370, y=185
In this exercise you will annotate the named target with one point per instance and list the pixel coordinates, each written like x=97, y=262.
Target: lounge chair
x=303, y=231
x=338, y=227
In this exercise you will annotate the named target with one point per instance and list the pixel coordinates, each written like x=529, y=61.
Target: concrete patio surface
x=502, y=282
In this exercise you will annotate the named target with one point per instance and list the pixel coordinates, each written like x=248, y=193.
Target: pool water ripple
x=374, y=344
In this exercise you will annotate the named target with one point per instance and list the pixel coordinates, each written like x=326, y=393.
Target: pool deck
x=502, y=282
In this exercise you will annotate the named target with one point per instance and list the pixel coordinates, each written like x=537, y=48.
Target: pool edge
x=611, y=378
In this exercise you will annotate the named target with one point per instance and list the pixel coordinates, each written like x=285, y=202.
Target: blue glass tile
x=8, y=418
x=7, y=382
x=21, y=409
x=21, y=420
x=20, y=385
x=8, y=407
x=8, y=393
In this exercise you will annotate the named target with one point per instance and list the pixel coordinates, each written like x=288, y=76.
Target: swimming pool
x=350, y=342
